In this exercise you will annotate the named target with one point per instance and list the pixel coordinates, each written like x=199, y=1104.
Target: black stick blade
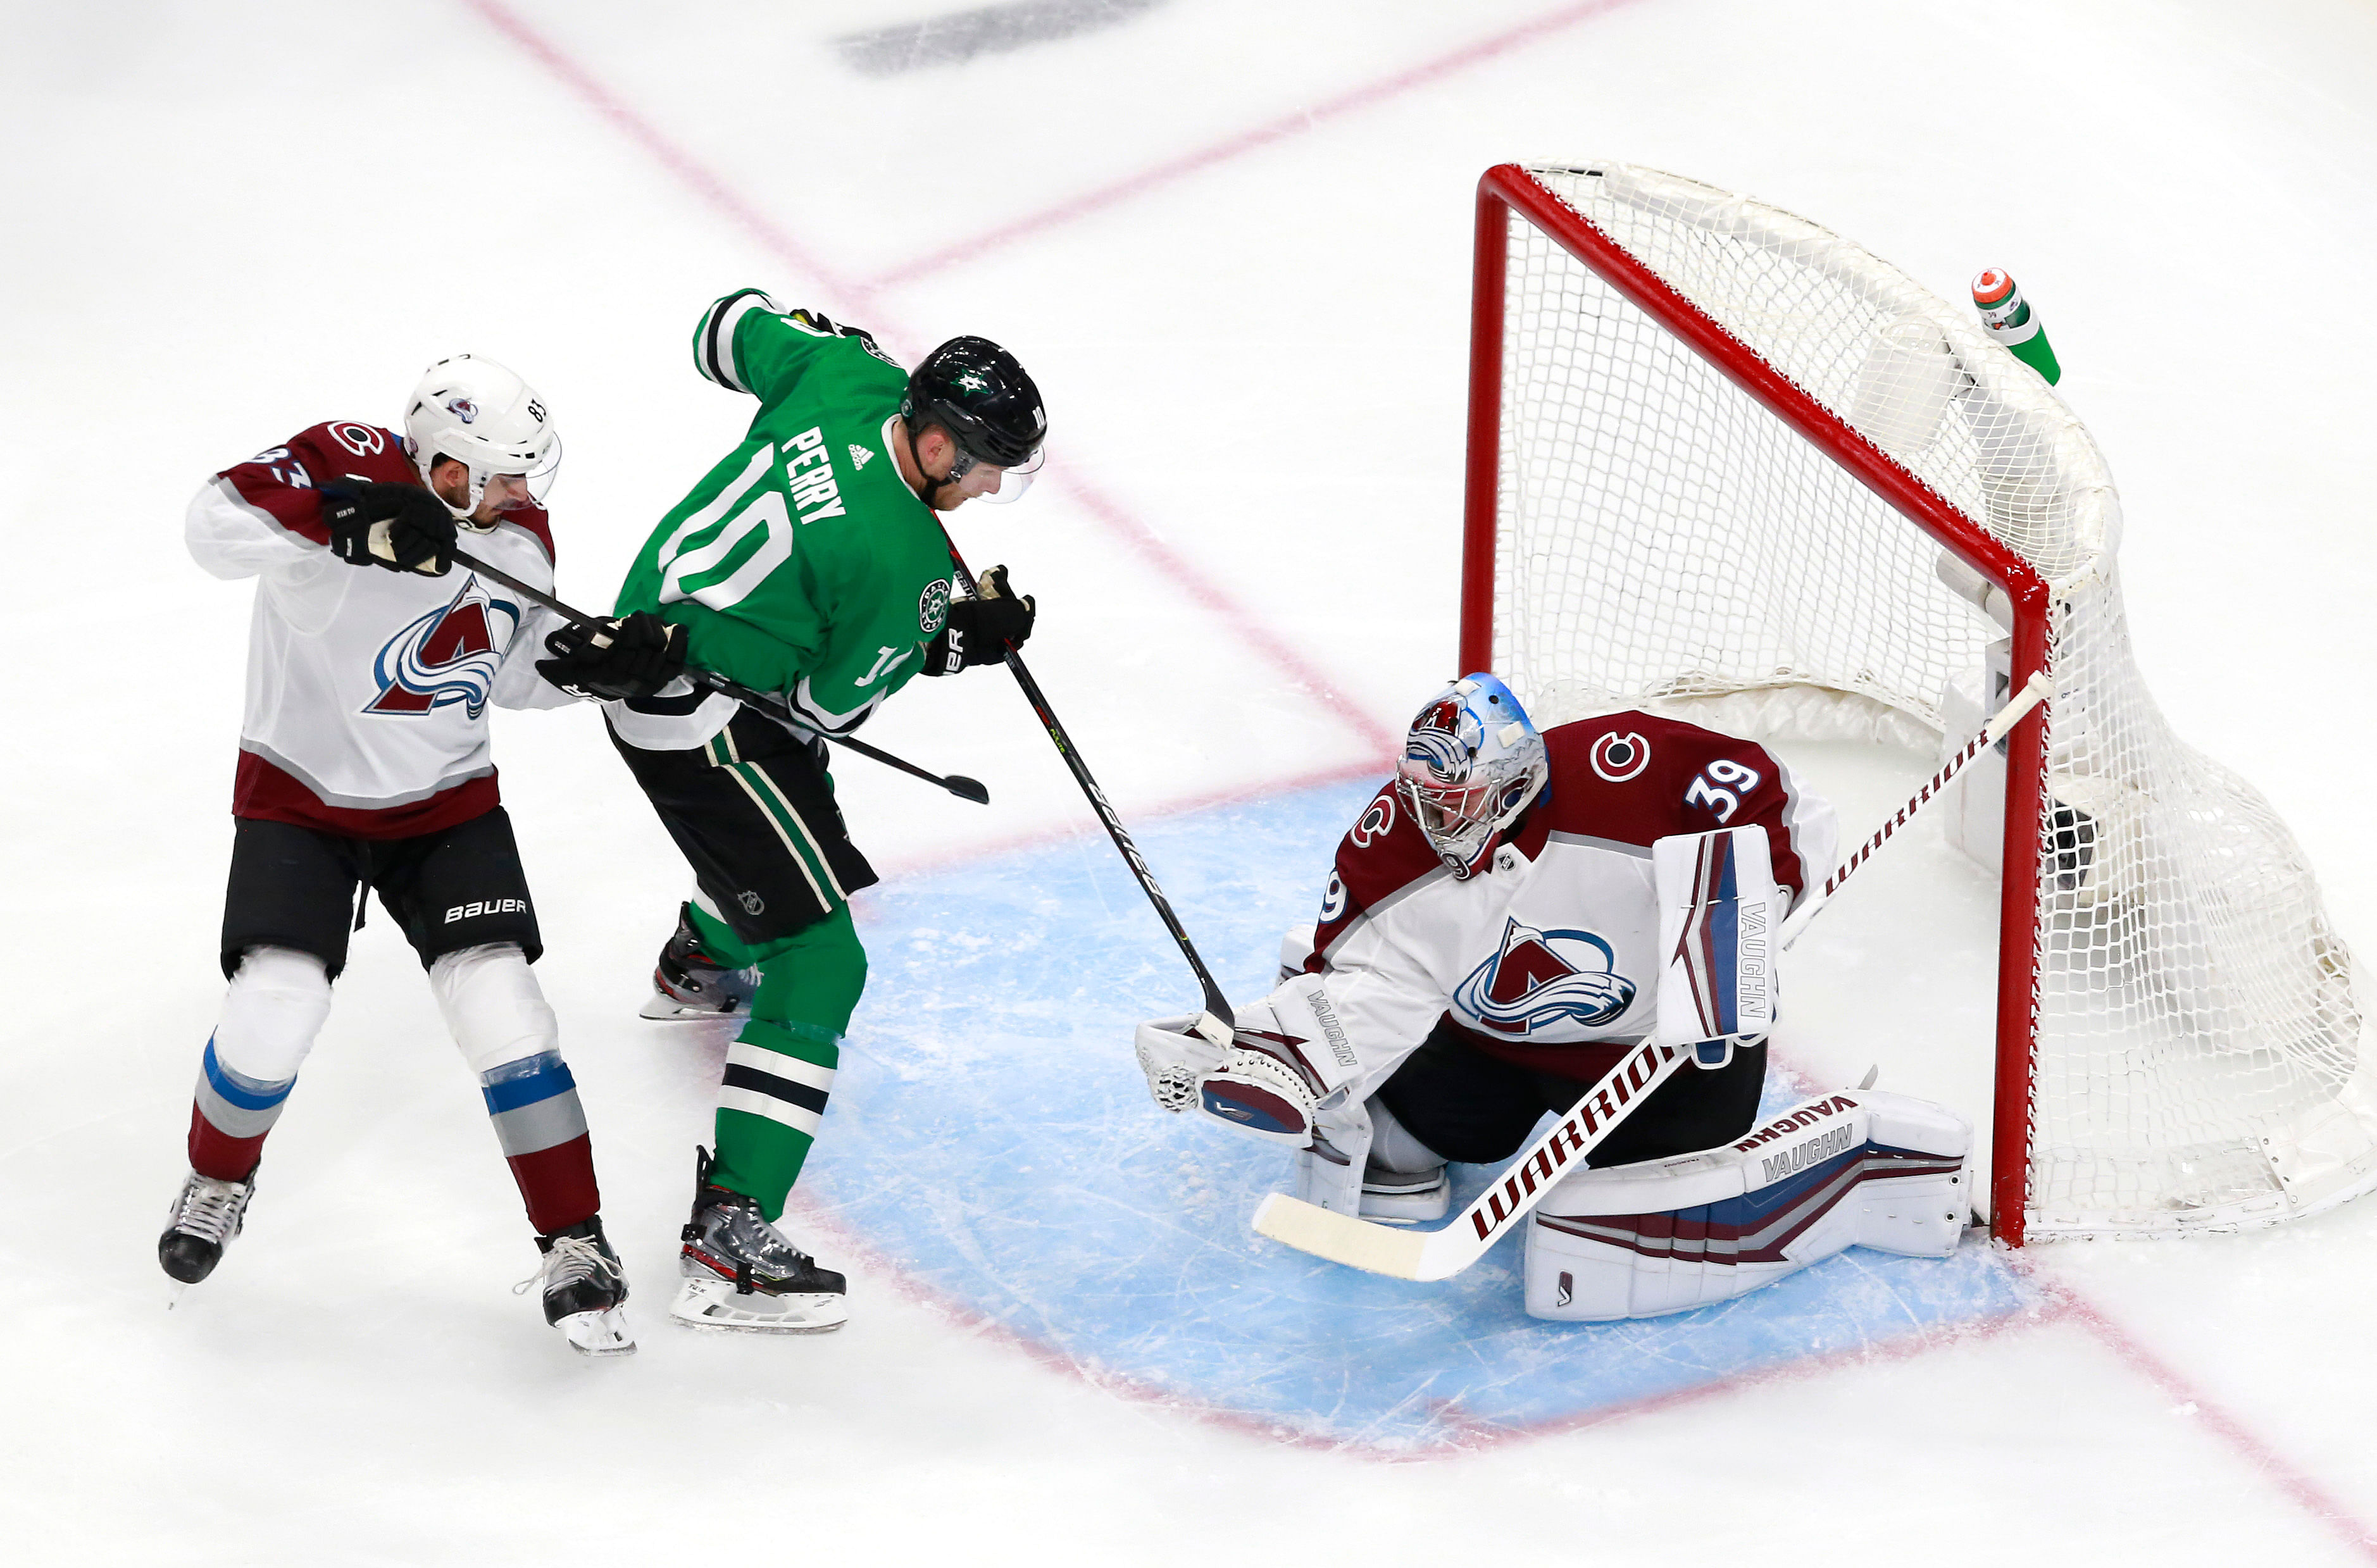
x=966, y=788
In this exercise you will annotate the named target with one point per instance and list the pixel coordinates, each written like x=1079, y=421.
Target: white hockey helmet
x=487, y=419
x=1471, y=763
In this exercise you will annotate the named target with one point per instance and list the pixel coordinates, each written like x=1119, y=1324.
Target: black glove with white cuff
x=981, y=630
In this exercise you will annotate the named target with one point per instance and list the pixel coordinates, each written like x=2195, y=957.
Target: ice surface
x=1231, y=238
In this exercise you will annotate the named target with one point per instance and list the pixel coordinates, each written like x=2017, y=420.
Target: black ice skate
x=585, y=1290
x=200, y=1226
x=740, y=1272
x=689, y=983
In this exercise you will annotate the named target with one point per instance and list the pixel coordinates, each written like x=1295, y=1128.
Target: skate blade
x=715, y=1304
x=174, y=1290
x=669, y=1010
x=598, y=1333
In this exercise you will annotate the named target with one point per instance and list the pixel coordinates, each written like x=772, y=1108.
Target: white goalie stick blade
x=599, y=1334
x=716, y=1304
x=1439, y=1255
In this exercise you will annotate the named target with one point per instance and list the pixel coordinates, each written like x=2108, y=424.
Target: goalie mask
x=1471, y=763
x=487, y=419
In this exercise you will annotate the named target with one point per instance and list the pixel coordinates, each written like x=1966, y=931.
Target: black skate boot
x=689, y=983
x=584, y=1288
x=741, y=1272
x=200, y=1225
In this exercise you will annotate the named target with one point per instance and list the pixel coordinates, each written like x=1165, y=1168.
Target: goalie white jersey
x=367, y=690
x=1548, y=956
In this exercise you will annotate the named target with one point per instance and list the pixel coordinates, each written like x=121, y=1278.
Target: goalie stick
x=1441, y=1254
x=774, y=706
x=1216, y=1023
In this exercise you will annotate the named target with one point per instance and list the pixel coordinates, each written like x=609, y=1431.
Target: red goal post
x=1609, y=477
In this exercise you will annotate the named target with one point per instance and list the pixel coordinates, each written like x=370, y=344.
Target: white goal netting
x=1663, y=537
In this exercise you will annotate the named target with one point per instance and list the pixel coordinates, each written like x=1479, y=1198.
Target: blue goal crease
x=992, y=1136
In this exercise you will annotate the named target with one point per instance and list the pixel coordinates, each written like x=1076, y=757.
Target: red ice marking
x=708, y=184
x=2273, y=1466
x=1294, y=123
x=705, y=182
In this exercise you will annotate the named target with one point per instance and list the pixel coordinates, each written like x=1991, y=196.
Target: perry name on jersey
x=801, y=563
x=1548, y=955
x=367, y=690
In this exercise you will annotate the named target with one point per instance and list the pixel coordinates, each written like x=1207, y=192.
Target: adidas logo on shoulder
x=859, y=454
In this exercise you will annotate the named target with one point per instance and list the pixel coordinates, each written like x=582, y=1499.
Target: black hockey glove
x=980, y=631
x=632, y=656
x=400, y=527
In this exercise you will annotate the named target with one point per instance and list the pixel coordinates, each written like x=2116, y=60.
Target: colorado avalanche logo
x=1620, y=757
x=1539, y=979
x=1446, y=738
x=448, y=656
x=463, y=409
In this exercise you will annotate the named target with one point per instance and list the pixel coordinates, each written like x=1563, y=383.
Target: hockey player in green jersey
x=809, y=561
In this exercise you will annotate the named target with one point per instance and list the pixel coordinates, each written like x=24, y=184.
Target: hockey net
x=1725, y=464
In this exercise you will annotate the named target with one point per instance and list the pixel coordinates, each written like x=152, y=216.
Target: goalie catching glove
x=980, y=630
x=1288, y=1062
x=634, y=655
x=400, y=526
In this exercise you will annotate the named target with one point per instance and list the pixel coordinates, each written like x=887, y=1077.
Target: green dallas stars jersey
x=801, y=563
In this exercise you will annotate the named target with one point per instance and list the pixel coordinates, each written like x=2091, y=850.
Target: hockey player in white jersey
x=364, y=768
x=1509, y=918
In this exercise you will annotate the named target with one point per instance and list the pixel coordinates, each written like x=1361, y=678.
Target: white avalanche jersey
x=367, y=690
x=1548, y=955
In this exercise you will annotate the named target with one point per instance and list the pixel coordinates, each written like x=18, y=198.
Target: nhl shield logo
x=447, y=656
x=1540, y=980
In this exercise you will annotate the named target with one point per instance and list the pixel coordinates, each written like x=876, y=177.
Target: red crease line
x=1340, y=773
x=1471, y=1437
x=1293, y=124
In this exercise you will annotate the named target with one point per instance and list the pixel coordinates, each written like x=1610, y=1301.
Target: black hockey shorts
x=460, y=886
x=753, y=812
x=1478, y=1110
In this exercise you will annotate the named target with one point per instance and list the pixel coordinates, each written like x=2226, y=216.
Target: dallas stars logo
x=973, y=382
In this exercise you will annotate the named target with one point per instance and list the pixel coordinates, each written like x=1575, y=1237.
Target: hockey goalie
x=1510, y=916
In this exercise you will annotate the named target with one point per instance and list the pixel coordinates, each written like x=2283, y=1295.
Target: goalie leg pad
x=1667, y=1235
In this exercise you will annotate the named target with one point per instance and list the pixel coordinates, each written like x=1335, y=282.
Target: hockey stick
x=774, y=706
x=1217, y=1023
x=2034, y=691
x=1441, y=1254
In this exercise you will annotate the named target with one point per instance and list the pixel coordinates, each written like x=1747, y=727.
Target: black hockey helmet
x=977, y=391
